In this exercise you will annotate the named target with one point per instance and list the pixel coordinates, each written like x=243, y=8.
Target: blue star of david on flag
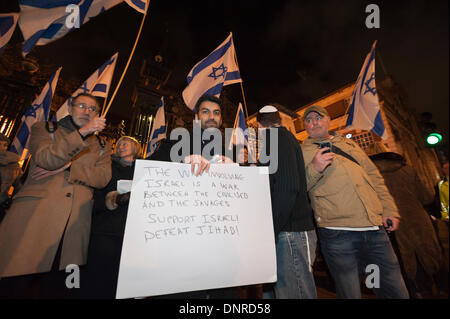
x=214, y=74
x=31, y=111
x=365, y=112
x=369, y=88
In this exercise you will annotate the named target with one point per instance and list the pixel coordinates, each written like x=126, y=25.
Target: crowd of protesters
x=328, y=197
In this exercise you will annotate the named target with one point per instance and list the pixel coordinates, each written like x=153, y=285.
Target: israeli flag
x=158, y=130
x=37, y=112
x=8, y=23
x=240, y=135
x=365, y=111
x=97, y=84
x=209, y=75
x=44, y=21
x=138, y=5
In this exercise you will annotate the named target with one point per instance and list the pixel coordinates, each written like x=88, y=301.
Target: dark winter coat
x=105, y=246
x=290, y=206
x=415, y=236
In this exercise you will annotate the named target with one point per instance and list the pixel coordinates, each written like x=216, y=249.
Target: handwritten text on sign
x=187, y=233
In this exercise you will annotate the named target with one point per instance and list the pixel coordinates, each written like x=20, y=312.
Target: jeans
x=296, y=252
x=350, y=254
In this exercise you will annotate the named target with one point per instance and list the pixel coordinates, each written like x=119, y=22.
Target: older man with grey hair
x=48, y=224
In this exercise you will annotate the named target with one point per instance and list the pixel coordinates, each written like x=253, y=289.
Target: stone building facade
x=18, y=89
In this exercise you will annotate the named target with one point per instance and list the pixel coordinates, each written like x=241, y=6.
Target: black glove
x=123, y=199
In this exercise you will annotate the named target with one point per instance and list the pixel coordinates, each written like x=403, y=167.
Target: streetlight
x=434, y=138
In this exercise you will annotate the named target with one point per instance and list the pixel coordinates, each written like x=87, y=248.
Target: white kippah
x=268, y=109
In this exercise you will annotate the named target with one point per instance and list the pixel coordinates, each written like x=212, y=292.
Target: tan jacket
x=42, y=211
x=347, y=194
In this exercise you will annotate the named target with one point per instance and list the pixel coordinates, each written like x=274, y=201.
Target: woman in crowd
x=108, y=225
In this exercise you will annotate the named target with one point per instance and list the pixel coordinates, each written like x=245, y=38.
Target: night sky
x=289, y=52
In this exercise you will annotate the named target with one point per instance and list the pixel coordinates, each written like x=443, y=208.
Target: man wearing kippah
x=352, y=208
x=292, y=215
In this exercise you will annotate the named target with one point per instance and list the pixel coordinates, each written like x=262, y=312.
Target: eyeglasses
x=84, y=106
x=309, y=120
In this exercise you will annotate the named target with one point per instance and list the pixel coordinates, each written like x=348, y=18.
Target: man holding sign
x=209, y=113
x=205, y=145
x=196, y=234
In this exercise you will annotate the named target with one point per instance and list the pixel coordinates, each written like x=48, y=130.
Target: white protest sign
x=186, y=233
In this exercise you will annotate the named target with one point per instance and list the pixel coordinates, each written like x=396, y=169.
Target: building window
x=337, y=109
x=364, y=139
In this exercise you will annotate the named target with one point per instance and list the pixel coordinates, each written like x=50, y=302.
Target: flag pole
x=104, y=103
x=242, y=87
x=236, y=117
x=129, y=60
x=234, y=127
x=245, y=104
x=148, y=138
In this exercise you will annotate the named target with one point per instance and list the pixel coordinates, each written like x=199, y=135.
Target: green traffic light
x=434, y=138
